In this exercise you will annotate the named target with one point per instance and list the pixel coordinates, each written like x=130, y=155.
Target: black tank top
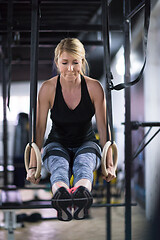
x=71, y=128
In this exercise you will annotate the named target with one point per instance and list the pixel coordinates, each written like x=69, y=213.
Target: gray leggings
x=62, y=162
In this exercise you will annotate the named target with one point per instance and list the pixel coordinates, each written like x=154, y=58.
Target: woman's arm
x=43, y=106
x=99, y=101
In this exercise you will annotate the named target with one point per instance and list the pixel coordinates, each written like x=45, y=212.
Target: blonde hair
x=75, y=47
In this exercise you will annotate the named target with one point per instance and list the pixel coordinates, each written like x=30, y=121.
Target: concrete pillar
x=152, y=113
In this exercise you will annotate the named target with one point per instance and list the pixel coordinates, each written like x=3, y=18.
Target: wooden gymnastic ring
x=104, y=156
x=38, y=158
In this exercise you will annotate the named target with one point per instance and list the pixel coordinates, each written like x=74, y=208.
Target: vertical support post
x=9, y=43
x=108, y=214
x=34, y=68
x=6, y=61
x=128, y=141
x=5, y=125
x=108, y=77
x=10, y=223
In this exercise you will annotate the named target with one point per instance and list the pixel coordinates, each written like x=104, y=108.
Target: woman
x=71, y=147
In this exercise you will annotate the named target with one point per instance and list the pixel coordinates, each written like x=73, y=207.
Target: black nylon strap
x=9, y=49
x=107, y=71
x=146, y=28
x=34, y=69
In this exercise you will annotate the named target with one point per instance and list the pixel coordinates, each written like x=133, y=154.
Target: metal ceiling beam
x=53, y=43
x=55, y=2
x=27, y=62
x=62, y=28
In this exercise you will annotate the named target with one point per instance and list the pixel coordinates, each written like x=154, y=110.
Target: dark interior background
x=60, y=19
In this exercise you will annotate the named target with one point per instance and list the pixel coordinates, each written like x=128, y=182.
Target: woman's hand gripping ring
x=104, y=157
x=38, y=158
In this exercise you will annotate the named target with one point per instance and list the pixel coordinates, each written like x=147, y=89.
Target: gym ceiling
x=60, y=19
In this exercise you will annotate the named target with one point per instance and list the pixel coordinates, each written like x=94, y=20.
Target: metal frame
x=128, y=128
x=34, y=69
x=108, y=77
x=62, y=28
x=6, y=63
x=47, y=204
x=135, y=125
x=128, y=140
x=5, y=123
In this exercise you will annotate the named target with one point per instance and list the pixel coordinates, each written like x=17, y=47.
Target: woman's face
x=69, y=66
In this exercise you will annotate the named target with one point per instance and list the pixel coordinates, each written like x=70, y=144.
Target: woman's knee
x=59, y=170
x=83, y=167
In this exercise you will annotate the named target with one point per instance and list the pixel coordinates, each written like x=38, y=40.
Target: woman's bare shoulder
x=48, y=86
x=47, y=90
x=93, y=84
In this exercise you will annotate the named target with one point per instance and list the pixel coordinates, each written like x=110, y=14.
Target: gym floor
x=93, y=228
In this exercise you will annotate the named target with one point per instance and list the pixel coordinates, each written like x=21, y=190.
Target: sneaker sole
x=82, y=201
x=62, y=202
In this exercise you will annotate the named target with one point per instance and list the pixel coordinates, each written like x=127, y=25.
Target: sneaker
x=62, y=202
x=82, y=200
